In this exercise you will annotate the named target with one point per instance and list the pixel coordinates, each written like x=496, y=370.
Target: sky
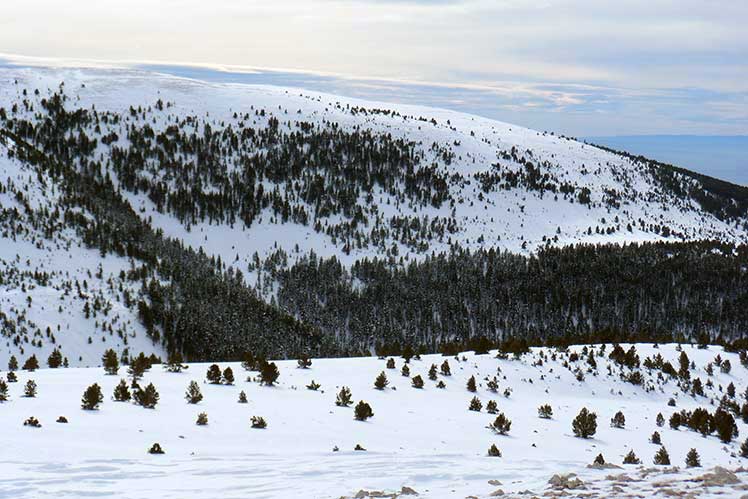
x=723, y=157
x=582, y=68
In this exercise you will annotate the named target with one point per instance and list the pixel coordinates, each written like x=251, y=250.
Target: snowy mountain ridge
x=255, y=175
x=489, y=201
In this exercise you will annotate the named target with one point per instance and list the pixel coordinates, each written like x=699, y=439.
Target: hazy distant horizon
x=588, y=68
x=721, y=156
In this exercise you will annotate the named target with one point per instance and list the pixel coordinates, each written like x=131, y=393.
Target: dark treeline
x=653, y=291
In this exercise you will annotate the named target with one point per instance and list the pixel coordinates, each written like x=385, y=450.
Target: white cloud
x=632, y=48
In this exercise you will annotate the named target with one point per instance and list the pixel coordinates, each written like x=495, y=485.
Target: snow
x=34, y=306
x=517, y=220
x=423, y=439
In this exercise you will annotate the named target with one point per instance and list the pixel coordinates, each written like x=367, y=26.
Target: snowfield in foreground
x=419, y=440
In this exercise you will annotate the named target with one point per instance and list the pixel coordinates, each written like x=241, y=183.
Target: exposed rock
x=496, y=493
x=604, y=466
x=407, y=491
x=719, y=477
x=569, y=481
x=671, y=492
x=622, y=478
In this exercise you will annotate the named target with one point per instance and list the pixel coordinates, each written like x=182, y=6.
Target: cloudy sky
x=576, y=67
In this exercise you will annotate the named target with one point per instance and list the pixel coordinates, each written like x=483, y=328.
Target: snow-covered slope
x=475, y=183
x=424, y=439
x=56, y=293
x=622, y=193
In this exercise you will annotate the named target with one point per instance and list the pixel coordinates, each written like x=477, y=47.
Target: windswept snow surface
x=425, y=439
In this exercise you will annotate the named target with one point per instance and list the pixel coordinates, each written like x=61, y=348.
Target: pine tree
x=471, y=385
x=432, y=372
x=697, y=388
x=344, y=397
x=390, y=363
x=250, y=362
x=591, y=361
x=381, y=382
x=405, y=371
x=446, y=371
x=13, y=363
x=228, y=376
x=156, y=449
x=725, y=367
x=545, y=411
x=202, y=419
x=692, y=459
x=662, y=457
x=304, y=362
x=675, y=420
x=33, y=422
x=138, y=366
x=363, y=411
x=408, y=353
x=92, y=397
x=501, y=424
x=55, y=359
x=12, y=378
x=660, y=421
x=110, y=362
x=214, y=375
x=631, y=458
x=174, y=364
x=655, y=438
x=494, y=451
x=699, y=420
x=242, y=397
x=3, y=391
x=122, y=392
x=30, y=389
x=31, y=364
x=599, y=460
x=193, y=394
x=269, y=373
x=258, y=422
x=684, y=369
x=417, y=382
x=744, y=448
x=313, y=385
x=585, y=424
x=492, y=407
x=147, y=398
x=725, y=425
x=618, y=421
x=475, y=405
